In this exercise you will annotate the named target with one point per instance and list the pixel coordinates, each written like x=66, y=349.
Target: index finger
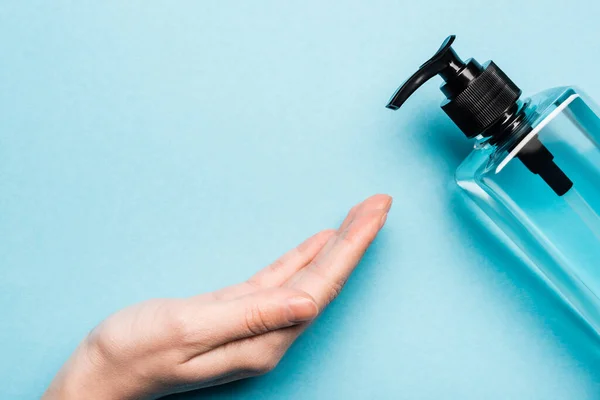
x=327, y=273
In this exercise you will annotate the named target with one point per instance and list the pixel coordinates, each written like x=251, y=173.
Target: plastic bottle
x=534, y=169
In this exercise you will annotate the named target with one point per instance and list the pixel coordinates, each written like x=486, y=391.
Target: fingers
x=325, y=276
x=292, y=263
x=282, y=269
x=255, y=314
x=279, y=271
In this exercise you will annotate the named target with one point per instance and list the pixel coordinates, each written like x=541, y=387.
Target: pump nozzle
x=476, y=96
x=443, y=62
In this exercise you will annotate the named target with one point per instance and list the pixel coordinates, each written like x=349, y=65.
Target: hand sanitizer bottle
x=534, y=169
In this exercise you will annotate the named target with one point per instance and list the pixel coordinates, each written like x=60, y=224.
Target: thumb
x=260, y=312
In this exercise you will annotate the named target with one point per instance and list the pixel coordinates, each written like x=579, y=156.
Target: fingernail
x=386, y=205
x=302, y=309
x=389, y=204
x=380, y=204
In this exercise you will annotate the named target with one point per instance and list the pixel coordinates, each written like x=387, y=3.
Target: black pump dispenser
x=482, y=100
x=477, y=96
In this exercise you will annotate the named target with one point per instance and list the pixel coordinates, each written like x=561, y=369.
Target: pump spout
x=445, y=62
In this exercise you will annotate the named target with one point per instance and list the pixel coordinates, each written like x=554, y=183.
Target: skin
x=165, y=346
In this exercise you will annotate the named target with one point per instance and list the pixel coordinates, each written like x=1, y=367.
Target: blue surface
x=168, y=148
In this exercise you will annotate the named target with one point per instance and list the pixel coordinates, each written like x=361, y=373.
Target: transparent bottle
x=534, y=169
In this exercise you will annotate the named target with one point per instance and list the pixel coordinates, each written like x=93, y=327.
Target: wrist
x=89, y=374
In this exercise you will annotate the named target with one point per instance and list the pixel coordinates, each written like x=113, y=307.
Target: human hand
x=165, y=346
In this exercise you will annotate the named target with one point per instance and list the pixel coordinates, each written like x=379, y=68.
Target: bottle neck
x=510, y=131
x=511, y=126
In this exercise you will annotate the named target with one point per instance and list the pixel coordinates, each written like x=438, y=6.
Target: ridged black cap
x=485, y=99
x=476, y=96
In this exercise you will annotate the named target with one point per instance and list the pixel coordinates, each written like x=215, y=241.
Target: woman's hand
x=166, y=346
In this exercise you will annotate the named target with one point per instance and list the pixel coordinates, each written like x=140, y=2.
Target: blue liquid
x=587, y=214
x=559, y=234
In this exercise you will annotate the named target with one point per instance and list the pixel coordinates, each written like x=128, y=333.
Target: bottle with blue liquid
x=534, y=169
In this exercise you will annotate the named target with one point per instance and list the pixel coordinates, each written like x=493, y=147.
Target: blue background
x=155, y=149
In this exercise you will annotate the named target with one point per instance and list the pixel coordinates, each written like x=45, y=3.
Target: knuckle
x=332, y=286
x=348, y=237
x=255, y=320
x=177, y=324
x=301, y=248
x=103, y=343
x=254, y=283
x=333, y=290
x=278, y=264
x=264, y=362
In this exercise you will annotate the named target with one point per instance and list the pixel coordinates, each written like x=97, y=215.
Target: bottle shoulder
x=539, y=109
